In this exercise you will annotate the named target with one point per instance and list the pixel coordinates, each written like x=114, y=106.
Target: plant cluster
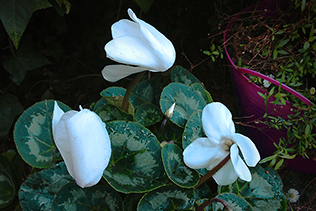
x=134, y=148
x=282, y=45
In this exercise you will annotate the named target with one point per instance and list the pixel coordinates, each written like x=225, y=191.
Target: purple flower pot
x=252, y=106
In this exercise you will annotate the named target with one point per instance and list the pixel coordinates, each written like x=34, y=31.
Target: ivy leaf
x=15, y=15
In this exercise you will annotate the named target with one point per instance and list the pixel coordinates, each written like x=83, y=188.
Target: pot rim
x=252, y=72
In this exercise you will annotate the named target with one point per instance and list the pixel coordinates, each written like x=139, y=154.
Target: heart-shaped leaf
x=148, y=114
x=38, y=191
x=7, y=189
x=99, y=197
x=187, y=102
x=181, y=75
x=175, y=168
x=135, y=165
x=167, y=198
x=33, y=135
x=111, y=112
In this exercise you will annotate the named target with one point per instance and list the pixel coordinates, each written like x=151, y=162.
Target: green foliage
x=285, y=52
x=135, y=165
x=39, y=190
x=175, y=168
x=10, y=107
x=187, y=102
x=72, y=197
x=33, y=135
x=144, y=4
x=167, y=198
x=16, y=14
x=264, y=192
x=149, y=174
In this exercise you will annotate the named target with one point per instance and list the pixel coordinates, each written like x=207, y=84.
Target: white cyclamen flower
x=221, y=140
x=83, y=142
x=293, y=195
x=138, y=44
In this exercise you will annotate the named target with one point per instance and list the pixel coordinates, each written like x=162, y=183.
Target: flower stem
x=130, y=89
x=213, y=171
x=212, y=200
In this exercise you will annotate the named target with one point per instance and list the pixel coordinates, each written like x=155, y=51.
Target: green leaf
x=303, y=5
x=275, y=53
x=66, y=3
x=148, y=114
x=144, y=5
x=306, y=45
x=15, y=15
x=283, y=52
x=234, y=201
x=10, y=168
x=279, y=164
x=119, y=91
x=26, y=59
x=264, y=192
x=118, y=101
x=33, y=135
x=167, y=198
x=204, y=93
x=283, y=43
x=149, y=90
x=131, y=201
x=38, y=191
x=7, y=189
x=99, y=197
x=187, y=102
x=111, y=112
x=307, y=130
x=192, y=131
x=10, y=107
x=181, y=75
x=135, y=165
x=175, y=168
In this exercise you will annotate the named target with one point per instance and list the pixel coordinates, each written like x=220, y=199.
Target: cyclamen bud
x=83, y=142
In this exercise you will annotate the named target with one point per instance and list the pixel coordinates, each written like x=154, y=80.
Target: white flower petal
x=248, y=149
x=60, y=133
x=226, y=175
x=90, y=147
x=203, y=153
x=116, y=72
x=135, y=51
x=125, y=27
x=57, y=114
x=217, y=122
x=156, y=39
x=240, y=167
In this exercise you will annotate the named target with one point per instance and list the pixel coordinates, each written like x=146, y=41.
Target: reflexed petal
x=157, y=39
x=248, y=149
x=217, y=122
x=60, y=133
x=226, y=175
x=90, y=147
x=125, y=28
x=61, y=138
x=203, y=153
x=240, y=167
x=135, y=51
x=116, y=72
x=57, y=114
